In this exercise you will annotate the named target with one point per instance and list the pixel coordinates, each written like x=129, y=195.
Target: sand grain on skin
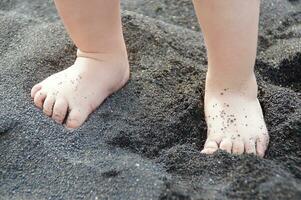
x=145, y=141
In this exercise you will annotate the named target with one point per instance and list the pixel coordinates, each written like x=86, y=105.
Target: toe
x=48, y=105
x=226, y=145
x=77, y=117
x=238, y=147
x=35, y=89
x=261, y=145
x=250, y=146
x=39, y=99
x=60, y=109
x=210, y=147
x=208, y=151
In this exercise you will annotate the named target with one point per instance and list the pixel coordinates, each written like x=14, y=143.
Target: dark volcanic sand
x=144, y=142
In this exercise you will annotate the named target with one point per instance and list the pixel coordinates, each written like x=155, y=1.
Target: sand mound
x=144, y=142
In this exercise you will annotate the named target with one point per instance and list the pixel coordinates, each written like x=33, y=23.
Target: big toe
x=77, y=117
x=210, y=147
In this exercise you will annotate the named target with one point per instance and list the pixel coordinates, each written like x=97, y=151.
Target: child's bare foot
x=234, y=118
x=75, y=92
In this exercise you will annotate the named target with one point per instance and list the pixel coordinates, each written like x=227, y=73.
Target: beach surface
x=144, y=142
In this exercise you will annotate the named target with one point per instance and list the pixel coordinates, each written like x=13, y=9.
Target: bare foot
x=234, y=119
x=71, y=95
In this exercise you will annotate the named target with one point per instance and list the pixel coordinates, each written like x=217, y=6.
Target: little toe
x=261, y=145
x=60, y=109
x=226, y=145
x=35, y=89
x=250, y=146
x=39, y=99
x=238, y=147
x=48, y=105
x=210, y=147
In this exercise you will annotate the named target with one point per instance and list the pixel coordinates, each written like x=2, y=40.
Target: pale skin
x=101, y=67
x=233, y=113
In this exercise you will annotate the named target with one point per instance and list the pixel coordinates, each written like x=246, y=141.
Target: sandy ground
x=145, y=141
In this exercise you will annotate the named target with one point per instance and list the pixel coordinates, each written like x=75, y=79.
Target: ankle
x=112, y=45
x=117, y=54
x=245, y=87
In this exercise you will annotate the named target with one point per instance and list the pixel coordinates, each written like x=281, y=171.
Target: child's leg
x=233, y=113
x=100, y=69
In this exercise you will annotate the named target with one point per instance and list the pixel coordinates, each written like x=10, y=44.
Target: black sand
x=145, y=141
